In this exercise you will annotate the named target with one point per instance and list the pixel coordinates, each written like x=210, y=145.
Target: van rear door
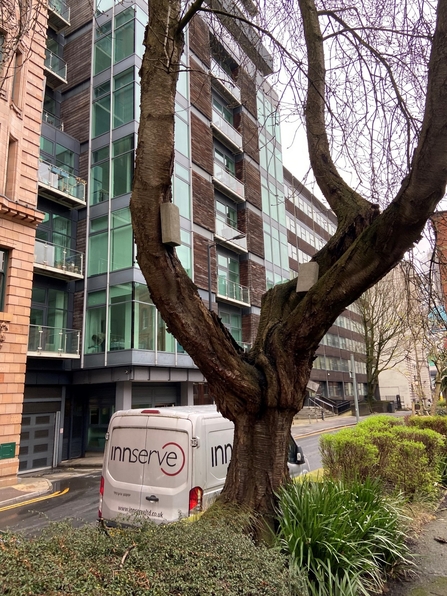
x=167, y=468
x=122, y=471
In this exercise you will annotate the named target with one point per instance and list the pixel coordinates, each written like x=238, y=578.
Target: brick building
x=21, y=84
x=96, y=342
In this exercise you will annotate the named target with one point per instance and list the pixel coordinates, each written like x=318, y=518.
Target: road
x=79, y=503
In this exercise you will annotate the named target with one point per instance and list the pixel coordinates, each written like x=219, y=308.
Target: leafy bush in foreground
x=406, y=459
x=209, y=557
x=347, y=535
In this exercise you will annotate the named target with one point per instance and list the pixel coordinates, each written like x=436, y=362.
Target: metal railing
x=54, y=340
x=58, y=257
x=232, y=290
x=61, y=180
x=56, y=65
x=60, y=7
x=229, y=181
x=230, y=234
x=227, y=129
x=331, y=405
x=52, y=119
x=225, y=80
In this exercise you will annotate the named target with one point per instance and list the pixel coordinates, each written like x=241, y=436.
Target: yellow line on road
x=36, y=500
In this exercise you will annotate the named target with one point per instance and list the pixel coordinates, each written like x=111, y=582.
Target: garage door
x=37, y=441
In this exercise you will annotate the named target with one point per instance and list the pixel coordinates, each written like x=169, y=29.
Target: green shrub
x=348, y=455
x=209, y=557
x=436, y=423
x=404, y=458
x=347, y=535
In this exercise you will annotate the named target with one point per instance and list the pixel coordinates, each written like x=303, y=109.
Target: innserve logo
x=171, y=458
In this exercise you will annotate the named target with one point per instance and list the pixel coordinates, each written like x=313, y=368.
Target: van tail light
x=195, y=500
x=101, y=494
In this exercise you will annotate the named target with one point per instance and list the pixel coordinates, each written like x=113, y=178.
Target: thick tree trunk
x=259, y=461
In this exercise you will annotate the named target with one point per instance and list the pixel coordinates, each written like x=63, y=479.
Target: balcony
x=225, y=82
x=52, y=119
x=59, y=185
x=230, y=291
x=228, y=183
x=226, y=133
x=55, y=70
x=58, y=15
x=231, y=237
x=58, y=261
x=53, y=342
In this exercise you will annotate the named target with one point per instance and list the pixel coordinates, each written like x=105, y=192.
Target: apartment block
x=96, y=342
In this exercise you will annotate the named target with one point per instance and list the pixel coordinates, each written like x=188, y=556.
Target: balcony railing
x=58, y=14
x=52, y=119
x=58, y=259
x=227, y=131
x=228, y=183
x=231, y=236
x=56, y=69
x=65, y=185
x=53, y=342
x=225, y=80
x=232, y=291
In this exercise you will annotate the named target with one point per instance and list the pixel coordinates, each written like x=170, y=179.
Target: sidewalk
x=25, y=490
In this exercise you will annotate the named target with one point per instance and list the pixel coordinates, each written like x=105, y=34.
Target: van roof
x=172, y=412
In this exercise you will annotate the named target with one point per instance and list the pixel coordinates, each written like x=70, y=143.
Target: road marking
x=58, y=493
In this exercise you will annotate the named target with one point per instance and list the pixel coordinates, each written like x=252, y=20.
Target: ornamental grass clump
x=347, y=535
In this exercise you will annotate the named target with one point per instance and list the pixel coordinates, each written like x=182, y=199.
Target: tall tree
x=261, y=391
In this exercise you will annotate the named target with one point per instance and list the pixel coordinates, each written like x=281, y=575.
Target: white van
x=168, y=463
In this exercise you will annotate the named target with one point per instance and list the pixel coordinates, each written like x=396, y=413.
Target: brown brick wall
x=248, y=92
x=253, y=276
x=252, y=181
x=201, y=263
x=200, y=88
x=75, y=115
x=201, y=144
x=249, y=132
x=249, y=328
x=81, y=12
x=199, y=40
x=77, y=55
x=255, y=234
x=203, y=202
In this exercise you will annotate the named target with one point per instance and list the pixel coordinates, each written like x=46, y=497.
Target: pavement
x=430, y=546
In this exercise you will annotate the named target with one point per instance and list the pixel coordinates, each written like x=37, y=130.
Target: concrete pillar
x=123, y=395
x=186, y=394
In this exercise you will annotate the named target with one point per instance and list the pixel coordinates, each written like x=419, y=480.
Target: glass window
x=121, y=249
x=95, y=322
x=122, y=166
x=226, y=214
x=145, y=315
x=181, y=194
x=184, y=251
x=97, y=254
x=102, y=54
x=99, y=180
x=165, y=341
x=120, y=317
x=223, y=111
x=233, y=322
x=124, y=34
x=123, y=98
x=226, y=161
x=3, y=269
x=101, y=110
x=65, y=158
x=46, y=146
x=181, y=136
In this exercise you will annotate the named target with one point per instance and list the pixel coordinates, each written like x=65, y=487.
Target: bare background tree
x=360, y=73
x=386, y=320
